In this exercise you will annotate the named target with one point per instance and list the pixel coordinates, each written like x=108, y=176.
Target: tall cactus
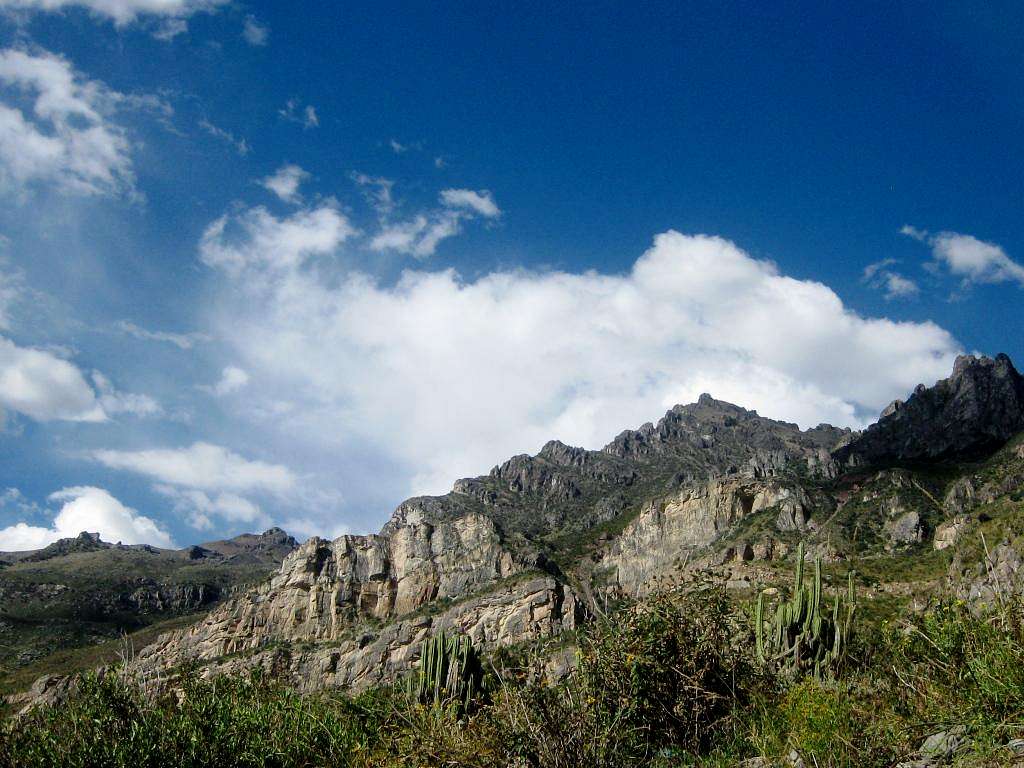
x=450, y=672
x=802, y=637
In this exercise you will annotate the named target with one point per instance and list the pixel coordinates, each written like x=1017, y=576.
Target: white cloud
x=180, y=340
x=201, y=466
x=240, y=145
x=268, y=242
x=68, y=137
x=305, y=527
x=421, y=235
x=285, y=182
x=119, y=11
x=895, y=285
x=397, y=147
x=479, y=202
x=199, y=507
x=168, y=29
x=87, y=509
x=115, y=402
x=232, y=379
x=975, y=260
x=41, y=385
x=293, y=112
x=254, y=32
x=446, y=377
x=971, y=259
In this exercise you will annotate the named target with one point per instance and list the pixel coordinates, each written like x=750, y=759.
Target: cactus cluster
x=804, y=637
x=450, y=672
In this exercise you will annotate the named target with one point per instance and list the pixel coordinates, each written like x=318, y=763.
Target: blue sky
x=268, y=264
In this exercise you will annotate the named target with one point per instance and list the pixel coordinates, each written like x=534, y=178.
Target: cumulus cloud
x=86, y=508
x=200, y=508
x=180, y=340
x=43, y=386
x=481, y=202
x=285, y=182
x=68, y=137
x=232, y=379
x=971, y=259
x=446, y=377
x=201, y=466
x=265, y=242
x=119, y=11
x=115, y=402
x=255, y=34
x=294, y=112
x=421, y=235
x=892, y=283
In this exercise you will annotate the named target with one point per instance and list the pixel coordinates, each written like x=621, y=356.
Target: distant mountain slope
x=83, y=590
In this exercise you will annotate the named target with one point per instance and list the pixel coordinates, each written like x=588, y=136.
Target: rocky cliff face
x=668, y=533
x=526, y=609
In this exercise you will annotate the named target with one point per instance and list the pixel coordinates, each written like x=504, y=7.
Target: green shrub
x=226, y=721
x=663, y=678
x=838, y=724
x=952, y=666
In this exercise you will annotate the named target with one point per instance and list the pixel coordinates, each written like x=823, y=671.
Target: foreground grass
x=670, y=682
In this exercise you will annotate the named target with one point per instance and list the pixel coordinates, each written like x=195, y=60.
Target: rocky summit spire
x=978, y=408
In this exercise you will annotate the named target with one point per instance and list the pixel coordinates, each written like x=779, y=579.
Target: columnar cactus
x=450, y=672
x=802, y=637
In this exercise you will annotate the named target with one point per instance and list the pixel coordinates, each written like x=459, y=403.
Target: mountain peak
x=974, y=411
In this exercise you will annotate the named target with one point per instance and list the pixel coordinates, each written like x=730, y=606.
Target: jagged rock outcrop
x=993, y=581
x=905, y=527
x=711, y=438
x=323, y=587
x=949, y=533
x=83, y=542
x=326, y=588
x=668, y=532
x=970, y=414
x=519, y=610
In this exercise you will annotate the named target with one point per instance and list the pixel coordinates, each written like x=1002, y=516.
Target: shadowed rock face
x=970, y=414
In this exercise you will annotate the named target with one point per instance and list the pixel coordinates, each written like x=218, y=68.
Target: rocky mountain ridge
x=529, y=550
